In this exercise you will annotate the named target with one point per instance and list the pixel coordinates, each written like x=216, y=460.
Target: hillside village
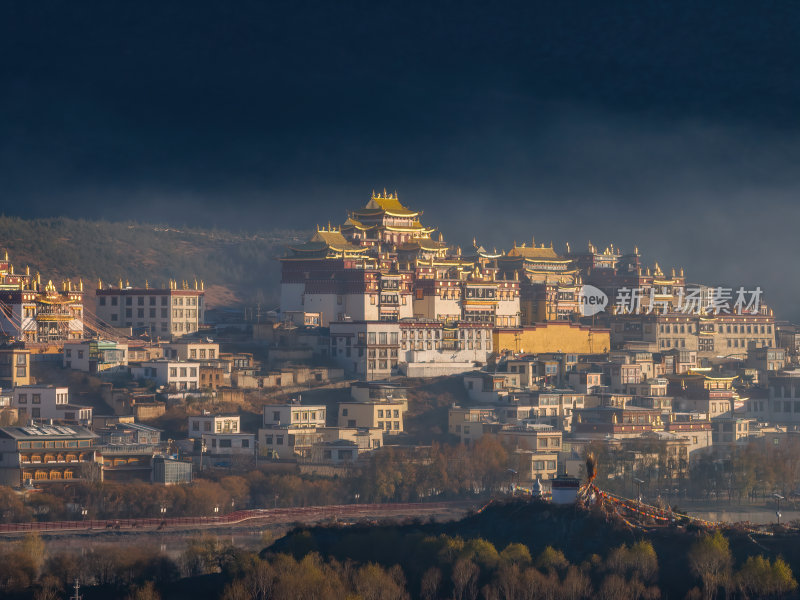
x=388, y=341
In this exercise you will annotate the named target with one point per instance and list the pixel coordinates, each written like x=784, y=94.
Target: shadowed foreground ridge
x=584, y=538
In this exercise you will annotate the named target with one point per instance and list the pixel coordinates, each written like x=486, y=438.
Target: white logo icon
x=591, y=300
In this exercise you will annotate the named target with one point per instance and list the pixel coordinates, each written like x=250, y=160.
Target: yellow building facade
x=387, y=416
x=553, y=336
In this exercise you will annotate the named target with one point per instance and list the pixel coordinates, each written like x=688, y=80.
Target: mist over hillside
x=237, y=268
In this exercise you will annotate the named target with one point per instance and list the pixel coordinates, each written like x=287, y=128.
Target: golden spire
x=146, y=284
x=27, y=269
x=80, y=284
x=202, y=285
x=120, y=283
x=99, y=284
x=195, y=283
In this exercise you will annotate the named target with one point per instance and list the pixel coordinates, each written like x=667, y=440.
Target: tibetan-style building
x=383, y=265
x=33, y=312
x=549, y=283
x=385, y=224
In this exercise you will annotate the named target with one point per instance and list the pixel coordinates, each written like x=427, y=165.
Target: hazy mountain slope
x=236, y=267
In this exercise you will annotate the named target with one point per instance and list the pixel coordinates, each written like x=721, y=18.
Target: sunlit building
x=33, y=312
x=166, y=312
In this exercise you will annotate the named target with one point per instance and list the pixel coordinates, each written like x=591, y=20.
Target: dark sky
x=672, y=125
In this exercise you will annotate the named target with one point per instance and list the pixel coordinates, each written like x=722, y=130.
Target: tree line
x=408, y=564
x=469, y=569
x=444, y=472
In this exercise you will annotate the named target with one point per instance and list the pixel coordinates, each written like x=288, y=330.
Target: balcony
x=52, y=459
x=120, y=449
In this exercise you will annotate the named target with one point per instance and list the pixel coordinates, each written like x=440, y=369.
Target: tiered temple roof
x=326, y=243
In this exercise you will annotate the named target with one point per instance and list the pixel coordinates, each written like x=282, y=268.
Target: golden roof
x=540, y=253
x=414, y=226
x=422, y=244
x=329, y=239
x=335, y=240
x=388, y=203
x=351, y=222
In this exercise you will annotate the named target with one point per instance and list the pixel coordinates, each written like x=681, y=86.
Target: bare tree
x=711, y=560
x=429, y=587
x=465, y=580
